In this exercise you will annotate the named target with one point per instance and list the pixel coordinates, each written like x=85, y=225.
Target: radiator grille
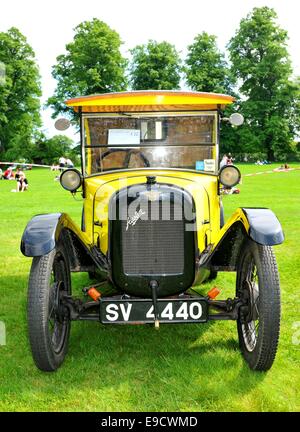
x=154, y=247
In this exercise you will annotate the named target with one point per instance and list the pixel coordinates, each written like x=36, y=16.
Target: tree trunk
x=270, y=153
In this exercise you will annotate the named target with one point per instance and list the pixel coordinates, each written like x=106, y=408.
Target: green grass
x=135, y=368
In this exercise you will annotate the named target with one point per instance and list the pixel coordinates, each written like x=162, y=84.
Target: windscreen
x=130, y=142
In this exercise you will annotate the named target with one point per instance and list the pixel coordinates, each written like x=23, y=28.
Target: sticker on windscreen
x=200, y=165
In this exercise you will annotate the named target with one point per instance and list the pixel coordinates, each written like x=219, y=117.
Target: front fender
x=40, y=235
x=264, y=227
x=43, y=231
x=259, y=224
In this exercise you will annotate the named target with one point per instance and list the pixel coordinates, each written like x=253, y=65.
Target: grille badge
x=133, y=219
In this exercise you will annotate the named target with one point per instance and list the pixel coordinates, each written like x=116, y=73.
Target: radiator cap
x=151, y=180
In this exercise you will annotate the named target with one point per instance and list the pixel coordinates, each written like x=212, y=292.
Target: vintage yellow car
x=152, y=228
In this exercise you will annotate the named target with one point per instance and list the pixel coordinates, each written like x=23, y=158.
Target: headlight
x=229, y=175
x=70, y=179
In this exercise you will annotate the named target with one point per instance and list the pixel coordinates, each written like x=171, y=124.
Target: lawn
x=135, y=368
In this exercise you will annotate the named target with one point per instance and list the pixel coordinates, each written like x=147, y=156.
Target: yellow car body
x=144, y=149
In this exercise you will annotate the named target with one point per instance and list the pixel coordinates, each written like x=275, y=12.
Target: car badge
x=133, y=219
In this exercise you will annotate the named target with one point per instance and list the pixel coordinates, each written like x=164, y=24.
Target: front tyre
x=257, y=285
x=48, y=319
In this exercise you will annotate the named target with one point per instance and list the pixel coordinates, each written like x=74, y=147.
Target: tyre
x=258, y=325
x=48, y=321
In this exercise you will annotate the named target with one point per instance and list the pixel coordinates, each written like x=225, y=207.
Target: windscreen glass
x=173, y=141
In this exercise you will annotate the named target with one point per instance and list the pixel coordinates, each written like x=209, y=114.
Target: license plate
x=141, y=311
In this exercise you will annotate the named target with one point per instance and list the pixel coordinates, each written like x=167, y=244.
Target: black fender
x=44, y=232
x=259, y=224
x=264, y=227
x=41, y=234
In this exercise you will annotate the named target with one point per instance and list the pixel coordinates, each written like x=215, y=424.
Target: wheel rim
x=58, y=322
x=250, y=295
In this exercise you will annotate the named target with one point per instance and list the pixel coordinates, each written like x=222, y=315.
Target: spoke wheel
x=48, y=319
x=250, y=313
x=259, y=317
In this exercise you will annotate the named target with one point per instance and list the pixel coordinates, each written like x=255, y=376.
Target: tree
x=205, y=66
x=260, y=61
x=155, y=66
x=49, y=150
x=19, y=93
x=92, y=64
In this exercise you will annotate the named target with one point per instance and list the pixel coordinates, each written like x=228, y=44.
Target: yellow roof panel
x=150, y=100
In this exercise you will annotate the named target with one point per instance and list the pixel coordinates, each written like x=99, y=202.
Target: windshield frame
x=147, y=114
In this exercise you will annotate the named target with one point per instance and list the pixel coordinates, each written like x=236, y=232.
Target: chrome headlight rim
x=74, y=187
x=226, y=184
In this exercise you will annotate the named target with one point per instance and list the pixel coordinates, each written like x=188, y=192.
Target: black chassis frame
x=78, y=310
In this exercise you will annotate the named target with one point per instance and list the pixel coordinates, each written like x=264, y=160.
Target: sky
x=48, y=26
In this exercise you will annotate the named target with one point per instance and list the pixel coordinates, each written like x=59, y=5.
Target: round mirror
x=236, y=119
x=62, y=124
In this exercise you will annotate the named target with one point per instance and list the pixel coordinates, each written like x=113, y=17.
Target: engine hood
x=100, y=188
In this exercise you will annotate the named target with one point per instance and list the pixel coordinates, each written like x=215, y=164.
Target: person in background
x=229, y=159
x=223, y=161
x=1, y=174
x=62, y=162
x=22, y=182
x=69, y=163
x=19, y=172
x=226, y=190
x=8, y=174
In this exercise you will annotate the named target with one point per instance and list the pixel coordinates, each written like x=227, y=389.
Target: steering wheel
x=129, y=153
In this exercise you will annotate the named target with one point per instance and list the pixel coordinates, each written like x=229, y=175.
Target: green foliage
x=19, y=94
x=92, y=64
x=268, y=97
x=260, y=61
x=155, y=66
x=49, y=150
x=205, y=66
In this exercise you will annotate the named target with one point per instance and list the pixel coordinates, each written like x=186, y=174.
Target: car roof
x=150, y=100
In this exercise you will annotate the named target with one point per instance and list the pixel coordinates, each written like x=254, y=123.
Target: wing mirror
x=236, y=119
x=62, y=124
